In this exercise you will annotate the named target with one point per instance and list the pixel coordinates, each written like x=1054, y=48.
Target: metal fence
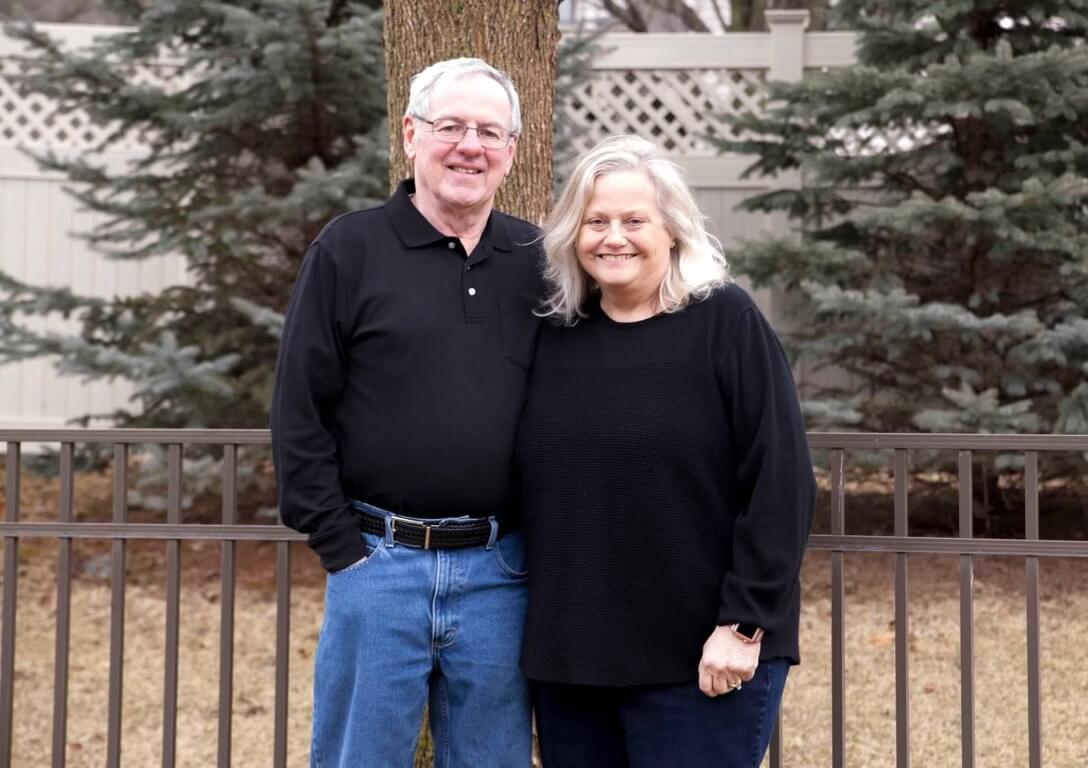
x=228, y=532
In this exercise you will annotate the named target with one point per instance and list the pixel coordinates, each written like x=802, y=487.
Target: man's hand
x=727, y=662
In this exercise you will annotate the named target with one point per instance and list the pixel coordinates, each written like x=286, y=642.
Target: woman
x=667, y=484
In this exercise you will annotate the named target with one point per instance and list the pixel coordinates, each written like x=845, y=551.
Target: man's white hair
x=424, y=83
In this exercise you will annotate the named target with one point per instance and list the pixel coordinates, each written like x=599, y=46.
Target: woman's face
x=622, y=242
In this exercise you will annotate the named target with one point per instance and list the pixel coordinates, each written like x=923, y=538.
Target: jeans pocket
x=511, y=556
x=373, y=544
x=519, y=328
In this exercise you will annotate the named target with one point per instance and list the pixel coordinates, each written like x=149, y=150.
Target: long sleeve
x=310, y=376
x=773, y=475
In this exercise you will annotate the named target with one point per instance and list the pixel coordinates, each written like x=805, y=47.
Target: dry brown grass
x=1001, y=725
x=1001, y=706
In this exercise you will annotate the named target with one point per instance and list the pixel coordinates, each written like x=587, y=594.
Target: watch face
x=748, y=630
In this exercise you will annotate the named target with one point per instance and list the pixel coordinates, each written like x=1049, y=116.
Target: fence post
x=787, y=49
x=785, y=63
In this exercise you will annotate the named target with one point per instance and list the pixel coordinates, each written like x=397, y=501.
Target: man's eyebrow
x=463, y=121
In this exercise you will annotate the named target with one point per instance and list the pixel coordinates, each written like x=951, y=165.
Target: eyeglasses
x=452, y=131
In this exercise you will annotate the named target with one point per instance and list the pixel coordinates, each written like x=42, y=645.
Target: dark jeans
x=650, y=726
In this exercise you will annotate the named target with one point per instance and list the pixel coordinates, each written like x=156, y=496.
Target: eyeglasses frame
x=510, y=135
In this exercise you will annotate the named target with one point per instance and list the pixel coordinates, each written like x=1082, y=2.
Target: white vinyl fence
x=666, y=87
x=38, y=243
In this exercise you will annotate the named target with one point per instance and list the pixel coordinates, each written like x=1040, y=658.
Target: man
x=401, y=374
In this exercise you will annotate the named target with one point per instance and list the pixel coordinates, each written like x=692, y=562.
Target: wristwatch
x=748, y=633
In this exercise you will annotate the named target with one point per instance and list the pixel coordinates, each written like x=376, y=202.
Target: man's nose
x=470, y=142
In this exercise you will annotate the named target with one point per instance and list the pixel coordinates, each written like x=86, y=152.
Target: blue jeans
x=406, y=625
x=649, y=726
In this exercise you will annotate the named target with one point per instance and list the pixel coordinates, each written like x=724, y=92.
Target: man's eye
x=636, y=222
x=449, y=129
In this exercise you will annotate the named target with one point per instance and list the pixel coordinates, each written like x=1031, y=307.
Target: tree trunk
x=747, y=16
x=516, y=36
x=750, y=15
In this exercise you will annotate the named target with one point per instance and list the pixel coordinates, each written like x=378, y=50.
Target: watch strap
x=749, y=633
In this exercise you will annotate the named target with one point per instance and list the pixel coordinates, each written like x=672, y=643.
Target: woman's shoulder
x=729, y=301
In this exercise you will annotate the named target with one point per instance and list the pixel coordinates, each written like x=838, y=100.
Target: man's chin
x=466, y=198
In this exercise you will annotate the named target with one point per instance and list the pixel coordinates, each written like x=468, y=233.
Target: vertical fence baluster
x=283, y=643
x=64, y=612
x=902, y=635
x=1031, y=533
x=173, y=599
x=117, y=608
x=838, y=599
x=776, y=742
x=226, y=613
x=967, y=616
x=11, y=575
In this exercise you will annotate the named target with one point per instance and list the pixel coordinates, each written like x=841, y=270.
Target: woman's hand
x=727, y=662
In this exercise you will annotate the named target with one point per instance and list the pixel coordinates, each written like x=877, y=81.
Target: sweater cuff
x=338, y=548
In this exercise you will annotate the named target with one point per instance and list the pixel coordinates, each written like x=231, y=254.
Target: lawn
x=1001, y=676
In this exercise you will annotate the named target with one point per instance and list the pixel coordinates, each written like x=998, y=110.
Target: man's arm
x=310, y=376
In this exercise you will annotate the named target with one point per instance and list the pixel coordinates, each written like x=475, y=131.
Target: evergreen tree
x=941, y=249
x=271, y=120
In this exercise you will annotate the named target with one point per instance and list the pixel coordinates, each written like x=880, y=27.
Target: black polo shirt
x=402, y=371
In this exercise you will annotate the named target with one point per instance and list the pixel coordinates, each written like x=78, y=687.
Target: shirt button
x=471, y=291
x=452, y=245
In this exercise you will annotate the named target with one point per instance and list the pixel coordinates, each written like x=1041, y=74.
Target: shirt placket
x=473, y=284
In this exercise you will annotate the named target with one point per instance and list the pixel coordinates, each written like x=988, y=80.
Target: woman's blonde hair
x=696, y=265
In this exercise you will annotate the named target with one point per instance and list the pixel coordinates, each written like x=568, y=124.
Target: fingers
x=733, y=673
x=706, y=683
x=716, y=684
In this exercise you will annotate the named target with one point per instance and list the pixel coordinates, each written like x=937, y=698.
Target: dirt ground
x=1001, y=674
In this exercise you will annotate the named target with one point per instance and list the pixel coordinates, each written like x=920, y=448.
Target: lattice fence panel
x=677, y=109
x=869, y=141
x=34, y=121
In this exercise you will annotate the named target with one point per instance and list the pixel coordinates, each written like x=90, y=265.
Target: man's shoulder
x=352, y=224
x=522, y=233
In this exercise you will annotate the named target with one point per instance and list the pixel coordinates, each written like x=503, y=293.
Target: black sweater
x=402, y=371
x=667, y=488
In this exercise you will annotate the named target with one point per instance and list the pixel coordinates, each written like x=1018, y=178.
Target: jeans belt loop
x=389, y=528
x=494, y=532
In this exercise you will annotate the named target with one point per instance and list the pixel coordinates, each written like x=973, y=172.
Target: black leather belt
x=474, y=532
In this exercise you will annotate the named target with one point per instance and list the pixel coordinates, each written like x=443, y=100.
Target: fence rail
x=228, y=532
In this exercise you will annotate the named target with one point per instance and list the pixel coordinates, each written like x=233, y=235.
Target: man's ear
x=512, y=151
x=408, y=129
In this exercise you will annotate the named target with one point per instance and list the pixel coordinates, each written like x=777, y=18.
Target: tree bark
x=747, y=16
x=517, y=36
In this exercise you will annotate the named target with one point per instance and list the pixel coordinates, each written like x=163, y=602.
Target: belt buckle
x=394, y=519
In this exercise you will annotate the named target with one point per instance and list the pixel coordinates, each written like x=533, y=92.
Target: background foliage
x=941, y=248
x=271, y=122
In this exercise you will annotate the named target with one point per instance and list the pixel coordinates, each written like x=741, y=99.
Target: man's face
x=465, y=175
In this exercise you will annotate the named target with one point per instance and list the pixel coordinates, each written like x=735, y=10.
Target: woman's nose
x=615, y=234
